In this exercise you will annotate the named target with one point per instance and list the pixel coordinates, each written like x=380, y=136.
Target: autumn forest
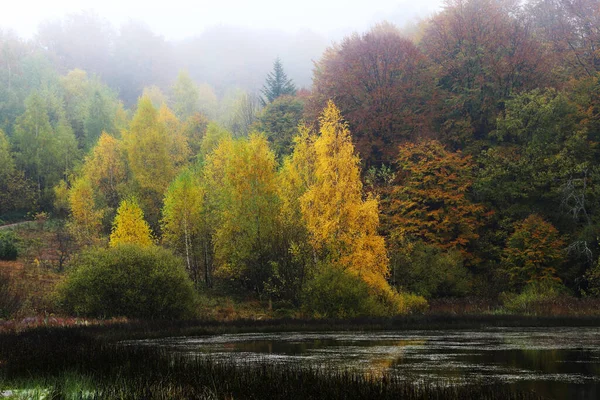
x=455, y=158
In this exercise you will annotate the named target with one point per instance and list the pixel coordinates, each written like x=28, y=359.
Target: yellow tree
x=294, y=179
x=183, y=221
x=242, y=186
x=105, y=168
x=178, y=146
x=129, y=226
x=86, y=220
x=148, y=152
x=342, y=225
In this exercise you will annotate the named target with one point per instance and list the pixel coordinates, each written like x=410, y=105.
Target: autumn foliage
x=431, y=202
x=534, y=252
x=381, y=83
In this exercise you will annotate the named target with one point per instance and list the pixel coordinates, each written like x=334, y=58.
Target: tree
x=342, y=226
x=183, y=221
x=431, y=201
x=214, y=135
x=534, y=252
x=178, y=145
x=194, y=128
x=383, y=86
x=86, y=220
x=277, y=84
x=45, y=147
x=297, y=258
x=484, y=52
x=148, y=148
x=242, y=188
x=129, y=226
x=543, y=163
x=245, y=112
x=16, y=193
x=106, y=169
x=156, y=96
x=570, y=27
x=186, y=96
x=279, y=121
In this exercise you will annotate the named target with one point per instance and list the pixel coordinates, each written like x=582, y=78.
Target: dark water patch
x=554, y=362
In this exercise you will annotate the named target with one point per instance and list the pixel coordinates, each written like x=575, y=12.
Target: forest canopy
x=458, y=158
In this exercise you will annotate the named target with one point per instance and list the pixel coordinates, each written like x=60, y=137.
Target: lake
x=559, y=363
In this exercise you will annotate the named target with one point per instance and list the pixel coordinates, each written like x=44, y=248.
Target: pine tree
x=277, y=84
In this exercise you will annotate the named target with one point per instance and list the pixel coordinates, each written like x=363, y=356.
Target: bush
x=128, y=280
x=412, y=303
x=533, y=297
x=8, y=246
x=333, y=293
x=430, y=271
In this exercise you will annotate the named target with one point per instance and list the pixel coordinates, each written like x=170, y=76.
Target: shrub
x=412, y=303
x=128, y=280
x=8, y=246
x=430, y=271
x=533, y=296
x=333, y=293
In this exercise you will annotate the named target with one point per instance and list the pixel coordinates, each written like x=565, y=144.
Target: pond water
x=559, y=363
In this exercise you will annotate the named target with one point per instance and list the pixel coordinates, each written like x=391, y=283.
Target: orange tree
x=431, y=202
x=534, y=252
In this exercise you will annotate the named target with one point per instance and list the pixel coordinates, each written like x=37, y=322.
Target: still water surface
x=560, y=363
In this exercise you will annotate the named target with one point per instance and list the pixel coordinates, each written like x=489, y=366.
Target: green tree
x=279, y=121
x=277, y=84
x=45, y=147
x=186, y=96
x=16, y=193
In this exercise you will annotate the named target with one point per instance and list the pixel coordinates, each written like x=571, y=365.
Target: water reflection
x=555, y=362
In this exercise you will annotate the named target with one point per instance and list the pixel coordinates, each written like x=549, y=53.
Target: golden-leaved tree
x=129, y=226
x=178, y=146
x=342, y=224
x=183, y=221
x=432, y=203
x=106, y=170
x=242, y=192
x=86, y=219
x=148, y=148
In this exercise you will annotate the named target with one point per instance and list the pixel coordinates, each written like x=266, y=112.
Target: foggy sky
x=177, y=19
